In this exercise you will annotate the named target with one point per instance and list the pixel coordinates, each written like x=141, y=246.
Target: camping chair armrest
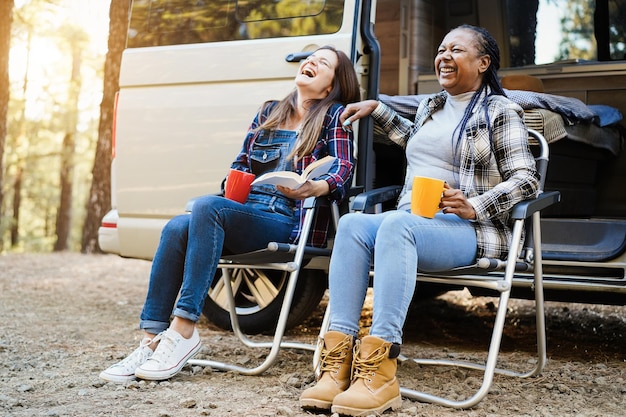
x=315, y=202
x=325, y=201
x=526, y=208
x=371, y=198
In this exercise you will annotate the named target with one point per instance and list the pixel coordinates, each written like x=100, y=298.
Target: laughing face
x=459, y=64
x=317, y=73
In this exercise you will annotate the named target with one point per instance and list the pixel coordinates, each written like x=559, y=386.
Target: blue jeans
x=399, y=243
x=190, y=248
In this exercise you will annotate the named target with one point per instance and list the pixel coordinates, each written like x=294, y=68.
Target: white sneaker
x=124, y=370
x=170, y=356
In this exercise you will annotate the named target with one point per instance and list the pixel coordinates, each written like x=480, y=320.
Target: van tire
x=254, y=319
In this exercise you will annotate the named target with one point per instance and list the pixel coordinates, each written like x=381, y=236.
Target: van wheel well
x=259, y=294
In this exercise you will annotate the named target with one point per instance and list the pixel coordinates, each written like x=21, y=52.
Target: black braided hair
x=486, y=45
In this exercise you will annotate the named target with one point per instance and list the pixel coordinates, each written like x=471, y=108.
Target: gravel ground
x=67, y=316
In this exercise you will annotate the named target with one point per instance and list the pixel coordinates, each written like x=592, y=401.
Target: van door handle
x=297, y=56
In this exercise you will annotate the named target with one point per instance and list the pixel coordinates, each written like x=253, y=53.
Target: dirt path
x=65, y=317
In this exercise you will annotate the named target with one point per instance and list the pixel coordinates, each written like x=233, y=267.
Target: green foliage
x=171, y=22
x=41, y=113
x=577, y=29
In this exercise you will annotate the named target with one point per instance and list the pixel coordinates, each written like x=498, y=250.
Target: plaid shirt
x=334, y=140
x=495, y=172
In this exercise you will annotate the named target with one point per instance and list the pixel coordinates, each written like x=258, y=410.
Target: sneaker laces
x=365, y=367
x=138, y=357
x=167, y=345
x=333, y=358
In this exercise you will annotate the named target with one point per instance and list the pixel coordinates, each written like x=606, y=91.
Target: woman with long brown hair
x=285, y=135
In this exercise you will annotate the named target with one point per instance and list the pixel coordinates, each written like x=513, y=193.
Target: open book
x=292, y=180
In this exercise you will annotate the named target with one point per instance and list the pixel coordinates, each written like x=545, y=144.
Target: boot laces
x=334, y=357
x=365, y=367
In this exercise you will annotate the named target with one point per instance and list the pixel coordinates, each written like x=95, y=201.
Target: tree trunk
x=64, y=214
x=6, y=18
x=99, y=202
x=17, y=201
x=20, y=140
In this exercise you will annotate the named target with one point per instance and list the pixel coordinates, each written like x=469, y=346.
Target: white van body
x=182, y=114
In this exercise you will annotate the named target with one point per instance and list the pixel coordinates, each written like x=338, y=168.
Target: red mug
x=238, y=185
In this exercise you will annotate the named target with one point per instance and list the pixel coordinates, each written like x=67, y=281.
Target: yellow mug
x=426, y=196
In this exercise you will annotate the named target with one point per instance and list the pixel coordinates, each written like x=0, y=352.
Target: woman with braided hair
x=474, y=138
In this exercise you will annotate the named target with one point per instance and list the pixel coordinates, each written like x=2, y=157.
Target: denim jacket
x=265, y=151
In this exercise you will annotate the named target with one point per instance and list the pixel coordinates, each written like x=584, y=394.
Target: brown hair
x=345, y=89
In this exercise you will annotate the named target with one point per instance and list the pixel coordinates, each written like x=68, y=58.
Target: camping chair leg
x=490, y=366
x=317, y=354
x=276, y=343
x=540, y=316
x=281, y=325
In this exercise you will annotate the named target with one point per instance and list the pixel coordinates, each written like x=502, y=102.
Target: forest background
x=59, y=68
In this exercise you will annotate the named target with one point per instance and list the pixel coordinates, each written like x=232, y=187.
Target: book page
x=286, y=178
x=319, y=167
x=292, y=180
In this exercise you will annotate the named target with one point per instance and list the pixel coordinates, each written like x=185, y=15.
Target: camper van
x=195, y=72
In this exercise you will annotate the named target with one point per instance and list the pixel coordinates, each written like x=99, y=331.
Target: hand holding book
x=291, y=179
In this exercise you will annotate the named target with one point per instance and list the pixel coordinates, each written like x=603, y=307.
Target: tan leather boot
x=375, y=387
x=335, y=367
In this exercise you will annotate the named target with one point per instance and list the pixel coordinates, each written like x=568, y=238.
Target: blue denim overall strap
x=270, y=152
x=334, y=140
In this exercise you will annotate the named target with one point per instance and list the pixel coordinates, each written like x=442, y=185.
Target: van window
x=175, y=22
x=545, y=31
